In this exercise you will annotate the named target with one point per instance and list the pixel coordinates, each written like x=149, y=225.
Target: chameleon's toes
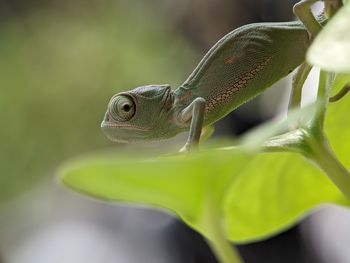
x=186, y=148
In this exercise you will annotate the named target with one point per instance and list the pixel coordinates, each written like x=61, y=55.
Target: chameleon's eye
x=122, y=108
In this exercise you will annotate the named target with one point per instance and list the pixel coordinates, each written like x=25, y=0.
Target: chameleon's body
x=243, y=64
x=237, y=68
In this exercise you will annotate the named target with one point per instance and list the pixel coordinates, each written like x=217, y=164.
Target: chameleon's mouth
x=116, y=139
x=122, y=132
x=107, y=125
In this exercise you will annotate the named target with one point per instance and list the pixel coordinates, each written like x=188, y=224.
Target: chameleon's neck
x=184, y=95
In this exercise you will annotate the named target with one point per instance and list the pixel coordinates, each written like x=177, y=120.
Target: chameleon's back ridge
x=244, y=61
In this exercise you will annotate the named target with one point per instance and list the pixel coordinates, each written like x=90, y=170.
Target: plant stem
x=319, y=149
x=324, y=157
x=224, y=251
x=317, y=122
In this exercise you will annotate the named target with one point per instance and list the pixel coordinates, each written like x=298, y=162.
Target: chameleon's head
x=141, y=114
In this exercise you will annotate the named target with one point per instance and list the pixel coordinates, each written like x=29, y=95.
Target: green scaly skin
x=237, y=68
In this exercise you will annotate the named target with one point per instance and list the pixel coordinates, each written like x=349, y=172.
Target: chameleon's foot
x=302, y=10
x=188, y=147
x=184, y=149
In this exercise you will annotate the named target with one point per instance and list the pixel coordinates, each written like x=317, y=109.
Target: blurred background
x=60, y=62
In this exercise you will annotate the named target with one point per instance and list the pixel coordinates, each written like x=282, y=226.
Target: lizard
x=240, y=66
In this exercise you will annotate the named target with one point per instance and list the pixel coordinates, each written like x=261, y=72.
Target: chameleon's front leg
x=195, y=111
x=297, y=85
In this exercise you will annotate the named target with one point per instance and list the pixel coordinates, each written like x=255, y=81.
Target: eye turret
x=122, y=108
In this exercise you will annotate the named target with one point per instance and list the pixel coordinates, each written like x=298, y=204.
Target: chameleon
x=240, y=66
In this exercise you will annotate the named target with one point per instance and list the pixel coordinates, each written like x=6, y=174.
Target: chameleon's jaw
x=123, y=133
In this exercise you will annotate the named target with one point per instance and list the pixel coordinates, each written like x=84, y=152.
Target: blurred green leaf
x=272, y=193
x=257, y=196
x=331, y=48
x=184, y=184
x=338, y=125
